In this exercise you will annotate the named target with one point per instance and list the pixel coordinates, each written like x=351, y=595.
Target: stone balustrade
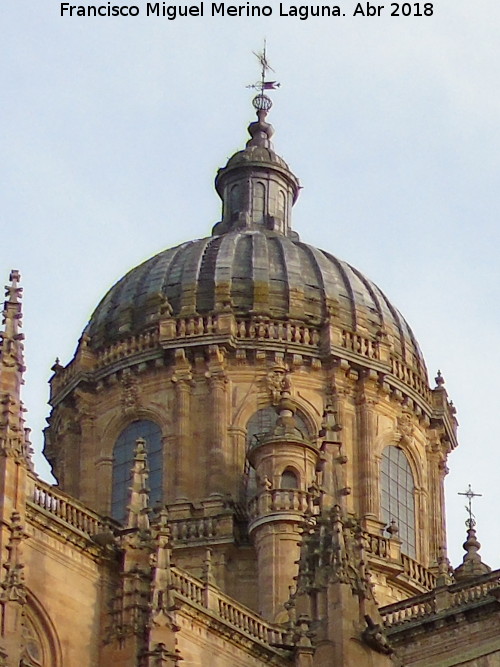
x=277, y=331
x=462, y=594
x=401, y=612
x=188, y=586
x=377, y=545
x=66, y=509
x=360, y=345
x=271, y=501
x=417, y=572
x=191, y=530
x=455, y=596
x=127, y=348
x=227, y=609
x=63, y=376
x=196, y=326
x=412, y=379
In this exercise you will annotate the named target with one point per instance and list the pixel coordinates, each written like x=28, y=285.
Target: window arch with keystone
x=123, y=457
x=397, y=501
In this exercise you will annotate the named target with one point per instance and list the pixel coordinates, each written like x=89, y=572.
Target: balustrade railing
x=278, y=331
x=269, y=501
x=456, y=596
x=360, y=345
x=462, y=594
x=189, y=530
x=377, y=545
x=66, y=509
x=409, y=610
x=417, y=572
x=127, y=347
x=188, y=586
x=195, y=326
x=231, y=612
x=409, y=377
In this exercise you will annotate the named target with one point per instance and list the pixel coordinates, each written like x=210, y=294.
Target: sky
x=112, y=129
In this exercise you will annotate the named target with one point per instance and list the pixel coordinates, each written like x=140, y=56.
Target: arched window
x=398, y=496
x=281, y=204
x=41, y=645
x=259, y=198
x=289, y=479
x=123, y=456
x=234, y=199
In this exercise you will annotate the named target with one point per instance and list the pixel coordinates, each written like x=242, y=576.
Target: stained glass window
x=398, y=496
x=123, y=456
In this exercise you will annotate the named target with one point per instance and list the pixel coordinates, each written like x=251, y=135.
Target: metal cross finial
x=264, y=63
x=471, y=522
x=265, y=68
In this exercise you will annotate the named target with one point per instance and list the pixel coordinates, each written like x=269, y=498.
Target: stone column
x=183, y=385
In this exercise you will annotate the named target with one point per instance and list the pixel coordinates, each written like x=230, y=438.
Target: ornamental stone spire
x=13, y=436
x=138, y=509
x=472, y=565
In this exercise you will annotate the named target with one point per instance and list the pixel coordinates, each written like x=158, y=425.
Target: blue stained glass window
x=397, y=496
x=123, y=457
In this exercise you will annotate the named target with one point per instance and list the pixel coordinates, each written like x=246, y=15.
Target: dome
x=255, y=266
x=257, y=272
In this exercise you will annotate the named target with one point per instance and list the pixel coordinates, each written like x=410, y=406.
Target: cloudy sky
x=112, y=129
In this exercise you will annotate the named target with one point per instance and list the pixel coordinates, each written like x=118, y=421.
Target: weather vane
x=261, y=101
x=471, y=522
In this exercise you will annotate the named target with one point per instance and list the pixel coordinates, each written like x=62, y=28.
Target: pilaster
x=183, y=383
x=217, y=380
x=368, y=470
x=86, y=413
x=437, y=470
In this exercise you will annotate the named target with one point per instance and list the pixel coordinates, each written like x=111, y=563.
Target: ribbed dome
x=257, y=272
x=257, y=154
x=254, y=265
